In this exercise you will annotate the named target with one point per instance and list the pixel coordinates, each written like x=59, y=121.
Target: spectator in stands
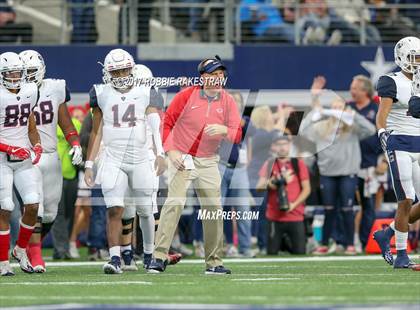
x=362, y=91
x=235, y=186
x=348, y=16
x=10, y=31
x=262, y=20
x=390, y=22
x=83, y=20
x=263, y=127
x=336, y=133
x=288, y=185
x=315, y=24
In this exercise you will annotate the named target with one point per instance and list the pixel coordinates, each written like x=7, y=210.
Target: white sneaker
x=73, y=251
x=232, y=251
x=21, y=256
x=5, y=269
x=104, y=254
x=198, y=249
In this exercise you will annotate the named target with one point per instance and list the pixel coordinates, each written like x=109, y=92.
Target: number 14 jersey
x=124, y=121
x=14, y=114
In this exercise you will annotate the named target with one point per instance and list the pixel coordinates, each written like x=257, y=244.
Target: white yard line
x=243, y=260
x=77, y=283
x=265, y=279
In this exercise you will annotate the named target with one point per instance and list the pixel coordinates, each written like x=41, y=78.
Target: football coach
x=198, y=118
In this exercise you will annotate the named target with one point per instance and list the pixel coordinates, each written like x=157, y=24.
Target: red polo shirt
x=293, y=191
x=188, y=114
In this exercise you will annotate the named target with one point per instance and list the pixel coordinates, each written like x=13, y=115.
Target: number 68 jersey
x=52, y=93
x=14, y=114
x=124, y=121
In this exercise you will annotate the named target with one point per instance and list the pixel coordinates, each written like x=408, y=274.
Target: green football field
x=270, y=281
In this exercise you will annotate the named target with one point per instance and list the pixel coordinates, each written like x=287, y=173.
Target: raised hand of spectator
x=318, y=85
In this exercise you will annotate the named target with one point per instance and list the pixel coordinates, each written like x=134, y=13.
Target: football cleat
x=147, y=260
x=415, y=267
x=23, y=260
x=174, y=258
x=157, y=266
x=113, y=266
x=35, y=257
x=403, y=262
x=384, y=241
x=127, y=261
x=321, y=250
x=5, y=269
x=218, y=270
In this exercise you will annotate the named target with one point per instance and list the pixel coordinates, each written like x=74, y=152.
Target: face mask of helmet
x=119, y=79
x=12, y=79
x=35, y=75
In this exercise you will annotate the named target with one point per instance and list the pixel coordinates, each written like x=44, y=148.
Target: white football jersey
x=124, y=121
x=14, y=114
x=52, y=93
x=398, y=87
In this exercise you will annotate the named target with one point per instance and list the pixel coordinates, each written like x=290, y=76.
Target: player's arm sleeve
x=414, y=106
x=156, y=99
x=93, y=98
x=234, y=132
x=153, y=120
x=387, y=88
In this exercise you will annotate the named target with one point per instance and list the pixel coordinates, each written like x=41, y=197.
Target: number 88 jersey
x=52, y=93
x=14, y=114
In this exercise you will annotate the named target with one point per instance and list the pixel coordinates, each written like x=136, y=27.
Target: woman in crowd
x=336, y=133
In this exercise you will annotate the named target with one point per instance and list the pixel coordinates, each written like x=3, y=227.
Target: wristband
x=71, y=134
x=88, y=164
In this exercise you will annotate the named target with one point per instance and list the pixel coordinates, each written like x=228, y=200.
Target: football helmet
x=34, y=65
x=11, y=63
x=118, y=60
x=407, y=54
x=141, y=74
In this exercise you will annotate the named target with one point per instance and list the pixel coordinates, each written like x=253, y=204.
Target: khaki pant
x=206, y=180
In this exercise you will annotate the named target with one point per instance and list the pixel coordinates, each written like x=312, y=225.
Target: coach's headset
x=212, y=65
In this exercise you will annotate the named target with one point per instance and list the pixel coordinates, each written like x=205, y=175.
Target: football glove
x=383, y=136
x=15, y=151
x=76, y=154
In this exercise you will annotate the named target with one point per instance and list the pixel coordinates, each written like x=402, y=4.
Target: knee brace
x=126, y=222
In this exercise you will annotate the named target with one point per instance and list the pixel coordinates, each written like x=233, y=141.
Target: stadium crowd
x=315, y=22
x=325, y=166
